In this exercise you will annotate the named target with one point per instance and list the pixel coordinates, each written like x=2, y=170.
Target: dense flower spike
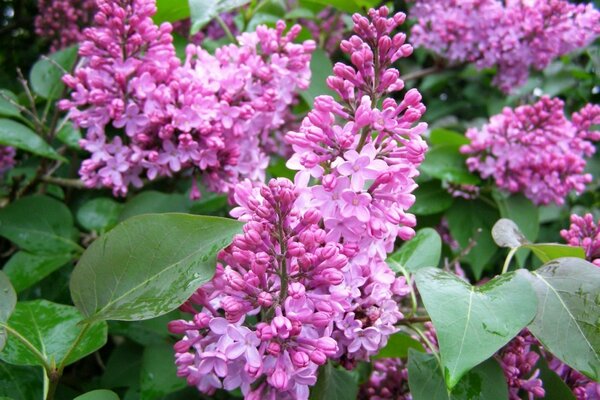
x=7, y=158
x=280, y=290
x=583, y=388
x=365, y=159
x=212, y=115
x=518, y=361
x=327, y=29
x=63, y=21
x=584, y=232
x=513, y=35
x=535, y=150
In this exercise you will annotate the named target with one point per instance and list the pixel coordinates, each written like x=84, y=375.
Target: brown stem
x=70, y=183
x=421, y=73
x=414, y=320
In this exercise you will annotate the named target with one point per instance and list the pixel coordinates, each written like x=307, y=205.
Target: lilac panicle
x=535, y=150
x=584, y=232
x=7, y=159
x=211, y=116
x=514, y=36
x=62, y=21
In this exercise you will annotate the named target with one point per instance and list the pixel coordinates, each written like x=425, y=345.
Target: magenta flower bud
x=264, y=331
x=318, y=357
x=320, y=319
x=327, y=345
x=296, y=290
x=279, y=379
x=311, y=217
x=300, y=359
x=265, y=299
x=274, y=349
x=201, y=320
x=281, y=326
x=234, y=279
x=296, y=249
x=333, y=276
x=296, y=328
x=179, y=327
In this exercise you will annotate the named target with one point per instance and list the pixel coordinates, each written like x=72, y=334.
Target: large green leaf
x=26, y=269
x=17, y=135
x=203, y=11
x=445, y=162
x=320, y=68
x=551, y=251
x=21, y=383
x=334, y=383
x=424, y=250
x=159, y=378
x=466, y=224
x=426, y=382
x=568, y=316
x=124, y=366
x=46, y=75
x=148, y=265
x=39, y=224
x=52, y=329
x=7, y=108
x=431, y=198
x=153, y=202
x=441, y=136
x=99, y=214
x=8, y=300
x=554, y=386
x=171, y=11
x=473, y=322
x=100, y=394
x=398, y=346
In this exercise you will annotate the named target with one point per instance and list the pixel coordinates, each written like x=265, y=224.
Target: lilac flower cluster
x=146, y=114
x=307, y=281
x=518, y=361
x=327, y=28
x=62, y=21
x=535, y=149
x=584, y=232
x=582, y=387
x=513, y=35
x=388, y=380
x=7, y=158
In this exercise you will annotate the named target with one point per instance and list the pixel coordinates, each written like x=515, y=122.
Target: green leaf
x=69, y=135
x=441, y=136
x=124, y=366
x=203, y=11
x=21, y=383
x=568, y=316
x=554, y=386
x=349, y=6
x=473, y=322
x=7, y=108
x=426, y=382
x=8, y=300
x=48, y=233
x=46, y=76
x=551, y=251
x=320, y=67
x=52, y=329
x=398, y=346
x=171, y=11
x=159, y=378
x=448, y=164
x=466, y=225
x=18, y=135
x=152, y=202
x=334, y=383
x=148, y=265
x=100, y=394
x=431, y=198
x=99, y=214
x=424, y=250
x=26, y=269
x=146, y=332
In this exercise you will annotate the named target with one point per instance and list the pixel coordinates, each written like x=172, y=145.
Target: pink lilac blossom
x=513, y=36
x=535, y=150
x=518, y=362
x=148, y=115
x=7, y=159
x=364, y=160
x=63, y=21
x=582, y=387
x=584, y=232
x=327, y=29
x=307, y=281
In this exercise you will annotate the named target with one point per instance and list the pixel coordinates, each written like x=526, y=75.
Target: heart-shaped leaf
x=8, y=300
x=568, y=316
x=473, y=322
x=148, y=265
x=52, y=329
x=424, y=250
x=426, y=382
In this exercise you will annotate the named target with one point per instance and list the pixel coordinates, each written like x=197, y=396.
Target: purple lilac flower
x=62, y=21
x=513, y=36
x=584, y=232
x=535, y=149
x=7, y=159
x=212, y=115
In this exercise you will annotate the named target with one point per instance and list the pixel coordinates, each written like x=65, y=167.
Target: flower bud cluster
x=513, y=36
x=62, y=21
x=146, y=114
x=267, y=316
x=518, y=361
x=584, y=232
x=7, y=158
x=535, y=150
